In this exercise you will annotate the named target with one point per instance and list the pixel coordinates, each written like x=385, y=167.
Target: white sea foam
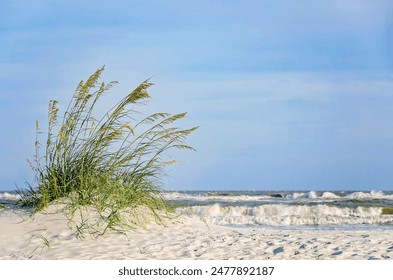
x=9, y=196
x=243, y=197
x=312, y=196
x=370, y=195
x=214, y=197
x=289, y=215
x=297, y=195
x=329, y=195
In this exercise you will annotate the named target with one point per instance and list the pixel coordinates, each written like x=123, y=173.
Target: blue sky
x=287, y=94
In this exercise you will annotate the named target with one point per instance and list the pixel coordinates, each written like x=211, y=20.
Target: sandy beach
x=49, y=237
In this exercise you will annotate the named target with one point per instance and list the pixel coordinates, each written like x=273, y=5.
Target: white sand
x=186, y=238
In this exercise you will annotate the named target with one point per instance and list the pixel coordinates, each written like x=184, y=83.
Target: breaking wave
x=10, y=197
x=289, y=215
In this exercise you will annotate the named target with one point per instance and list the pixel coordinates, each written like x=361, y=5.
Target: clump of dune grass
x=101, y=170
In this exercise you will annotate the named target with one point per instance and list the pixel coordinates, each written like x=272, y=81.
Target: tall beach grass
x=104, y=171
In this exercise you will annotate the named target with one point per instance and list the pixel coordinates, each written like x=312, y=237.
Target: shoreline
x=47, y=236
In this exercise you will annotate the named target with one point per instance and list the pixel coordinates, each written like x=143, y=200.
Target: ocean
x=333, y=210
x=289, y=209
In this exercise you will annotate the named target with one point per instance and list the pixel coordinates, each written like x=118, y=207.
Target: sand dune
x=185, y=238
